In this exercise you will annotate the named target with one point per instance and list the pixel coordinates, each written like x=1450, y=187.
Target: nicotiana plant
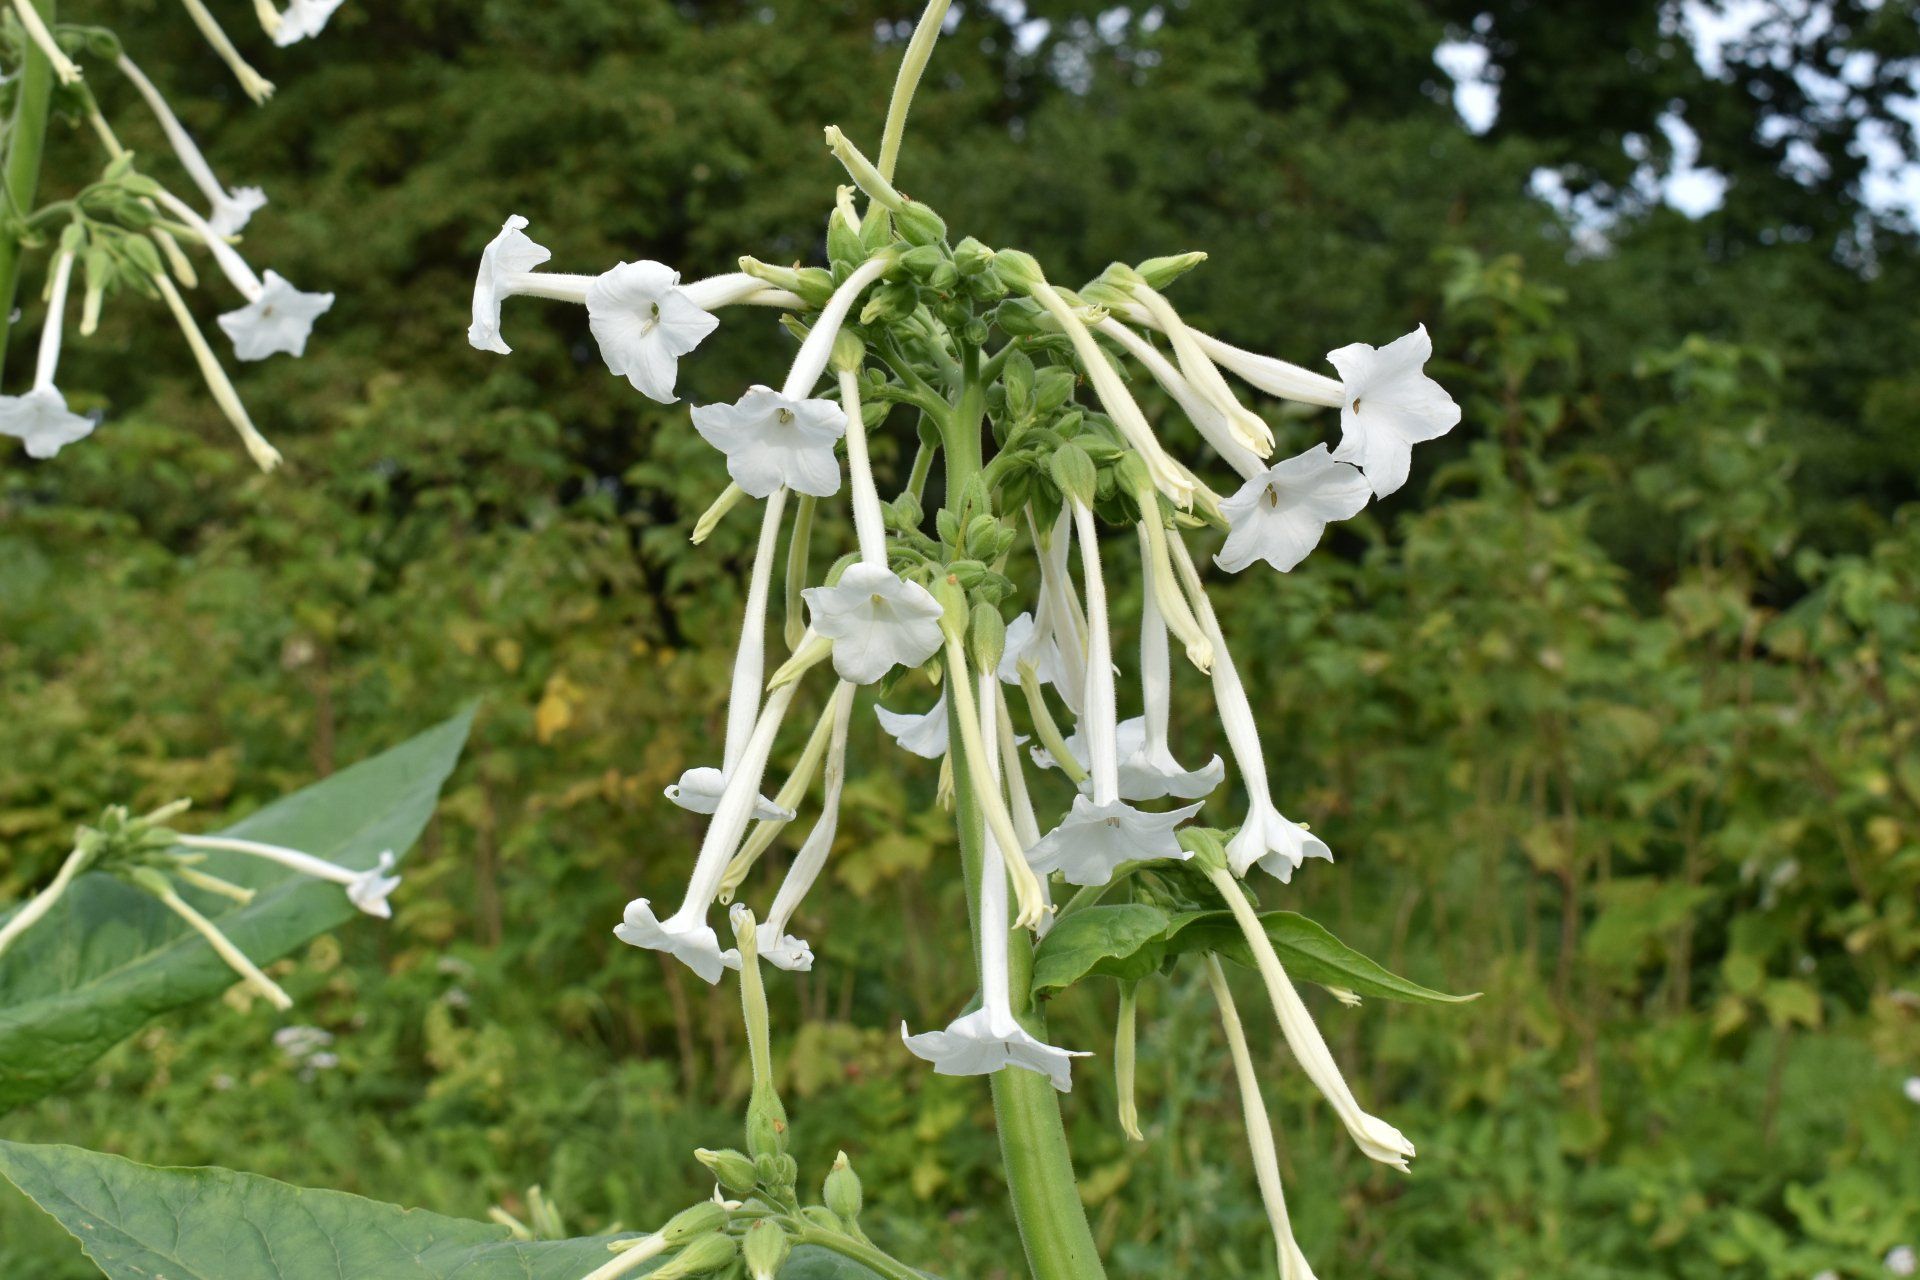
x=1021, y=388
x=124, y=230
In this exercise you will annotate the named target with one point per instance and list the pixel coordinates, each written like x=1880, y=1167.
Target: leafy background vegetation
x=1613, y=717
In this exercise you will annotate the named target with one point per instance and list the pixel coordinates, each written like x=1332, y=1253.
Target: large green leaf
x=138, y=1223
x=107, y=958
x=1127, y=941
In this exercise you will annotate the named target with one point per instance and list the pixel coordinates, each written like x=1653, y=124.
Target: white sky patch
x=1476, y=95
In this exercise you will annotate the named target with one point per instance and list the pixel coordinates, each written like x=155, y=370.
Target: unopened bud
x=917, y=224
x=1158, y=273
x=732, y=1169
x=861, y=170
x=971, y=257
x=765, y=1249
x=702, y=1256
x=688, y=1223
x=1016, y=375
x=848, y=350
x=988, y=633
x=841, y=1192
x=1208, y=847
x=1020, y=270
x=1074, y=474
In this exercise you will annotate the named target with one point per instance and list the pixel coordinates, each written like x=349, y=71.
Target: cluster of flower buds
x=983, y=346
x=125, y=229
x=147, y=854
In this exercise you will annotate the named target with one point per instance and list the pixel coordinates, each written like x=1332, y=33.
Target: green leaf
x=1125, y=940
x=107, y=958
x=1308, y=951
x=138, y=1223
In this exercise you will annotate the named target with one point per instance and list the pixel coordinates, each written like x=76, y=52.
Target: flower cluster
x=983, y=347
x=125, y=232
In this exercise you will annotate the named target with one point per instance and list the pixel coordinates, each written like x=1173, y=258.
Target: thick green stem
x=1033, y=1138
x=26, y=136
x=872, y=1258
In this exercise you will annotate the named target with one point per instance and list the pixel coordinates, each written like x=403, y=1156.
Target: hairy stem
x=20, y=172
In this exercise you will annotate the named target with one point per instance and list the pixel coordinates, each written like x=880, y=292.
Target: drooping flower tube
x=1149, y=771
x=1059, y=625
x=35, y=26
x=991, y=1037
x=367, y=889
x=785, y=950
x=1253, y=1110
x=278, y=318
x=252, y=83
x=1206, y=417
x=1376, y=1139
x=1280, y=515
x=1270, y=374
x=686, y=934
x=228, y=210
x=41, y=418
x=787, y=800
x=1390, y=405
x=1266, y=838
x=1248, y=427
x=264, y=455
x=1102, y=831
x=701, y=789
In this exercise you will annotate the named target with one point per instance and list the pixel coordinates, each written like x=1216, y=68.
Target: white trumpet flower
x=701, y=789
x=41, y=418
x=506, y=270
x=644, y=322
x=924, y=735
x=302, y=20
x=367, y=888
x=787, y=951
x=1390, y=405
x=685, y=934
x=1280, y=515
x=278, y=318
x=1266, y=838
x=264, y=455
x=229, y=209
x=1027, y=644
x=877, y=621
x=772, y=440
x=991, y=1037
x=1102, y=831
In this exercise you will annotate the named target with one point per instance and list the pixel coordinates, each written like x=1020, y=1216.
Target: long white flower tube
x=228, y=211
x=278, y=318
x=35, y=26
x=1253, y=1109
x=264, y=455
x=869, y=524
x=700, y=789
x=978, y=762
x=252, y=83
x=990, y=1038
x=367, y=890
x=1377, y=1139
x=1266, y=838
x=1274, y=376
x=785, y=950
x=1206, y=417
x=1248, y=427
x=1065, y=625
x=40, y=418
x=1150, y=771
x=1102, y=831
x=686, y=934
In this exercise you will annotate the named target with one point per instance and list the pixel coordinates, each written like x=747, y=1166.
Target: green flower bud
x=765, y=1249
x=849, y=349
x=947, y=525
x=766, y=1128
x=967, y=573
x=972, y=257
x=917, y=224
x=841, y=1192
x=943, y=278
x=1158, y=273
x=1131, y=472
x=1020, y=318
x=813, y=284
x=1208, y=847
x=1074, y=473
x=979, y=532
x=988, y=633
x=986, y=287
x=822, y=1217
x=732, y=1169
x=701, y=1256
x=974, y=332
x=953, y=605
x=861, y=170
x=1016, y=375
x=894, y=300
x=844, y=246
x=922, y=259
x=1020, y=270
x=1053, y=386
x=690, y=1222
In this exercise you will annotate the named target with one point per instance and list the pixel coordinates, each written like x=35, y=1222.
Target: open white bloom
x=508, y=256
x=277, y=319
x=644, y=322
x=700, y=789
x=303, y=19
x=1266, y=838
x=685, y=934
x=785, y=950
x=1028, y=645
x=229, y=210
x=1280, y=515
x=1390, y=406
x=924, y=735
x=41, y=418
x=772, y=441
x=877, y=621
x=367, y=889
x=1146, y=773
x=990, y=1038
x=1901, y=1260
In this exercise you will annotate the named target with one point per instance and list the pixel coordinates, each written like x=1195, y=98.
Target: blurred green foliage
x=1614, y=718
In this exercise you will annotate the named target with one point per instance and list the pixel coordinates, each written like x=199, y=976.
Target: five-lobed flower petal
x=302, y=20
x=877, y=621
x=693, y=943
x=1391, y=405
x=1273, y=842
x=772, y=441
x=1280, y=515
x=700, y=788
x=644, y=322
x=41, y=419
x=508, y=254
x=984, y=1041
x=234, y=208
x=370, y=889
x=924, y=735
x=1093, y=840
x=277, y=321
